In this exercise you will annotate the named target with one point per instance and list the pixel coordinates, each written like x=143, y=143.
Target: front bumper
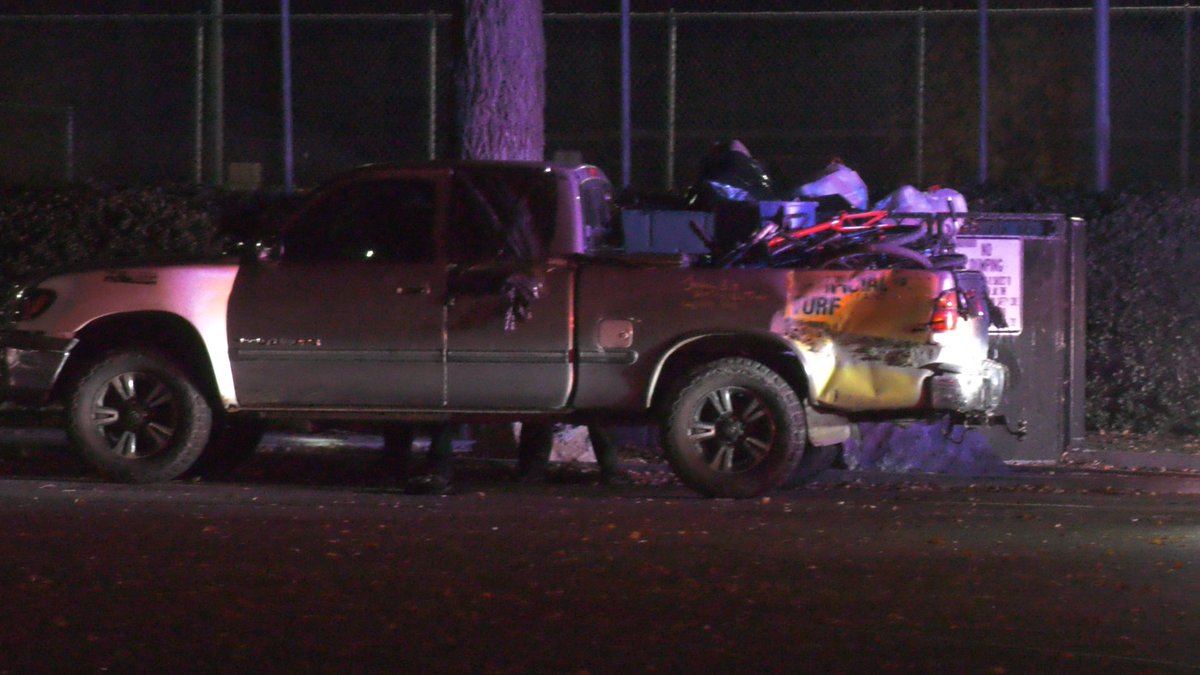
x=30, y=365
x=979, y=392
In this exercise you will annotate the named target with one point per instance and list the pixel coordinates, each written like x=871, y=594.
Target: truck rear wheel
x=135, y=417
x=735, y=428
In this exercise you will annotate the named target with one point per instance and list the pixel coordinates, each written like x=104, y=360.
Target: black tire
x=231, y=443
x=734, y=428
x=135, y=417
x=876, y=257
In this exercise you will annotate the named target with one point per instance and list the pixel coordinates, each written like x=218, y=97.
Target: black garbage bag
x=729, y=173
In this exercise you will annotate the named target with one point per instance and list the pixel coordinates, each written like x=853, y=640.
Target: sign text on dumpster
x=1001, y=261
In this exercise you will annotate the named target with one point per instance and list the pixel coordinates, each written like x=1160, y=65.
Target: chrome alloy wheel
x=733, y=429
x=137, y=414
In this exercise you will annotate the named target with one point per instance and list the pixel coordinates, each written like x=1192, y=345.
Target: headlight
x=29, y=303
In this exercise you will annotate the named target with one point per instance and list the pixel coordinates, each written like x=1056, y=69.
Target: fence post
x=1185, y=116
x=285, y=42
x=215, y=110
x=198, y=119
x=672, y=52
x=1103, y=118
x=983, y=92
x=626, y=100
x=920, y=130
x=432, y=130
x=70, y=140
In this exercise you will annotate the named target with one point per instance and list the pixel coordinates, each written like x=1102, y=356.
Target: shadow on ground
x=316, y=460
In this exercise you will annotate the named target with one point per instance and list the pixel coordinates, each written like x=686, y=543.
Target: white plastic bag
x=908, y=199
x=838, y=179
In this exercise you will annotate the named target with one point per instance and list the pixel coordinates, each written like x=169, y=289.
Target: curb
x=1049, y=477
x=1135, y=461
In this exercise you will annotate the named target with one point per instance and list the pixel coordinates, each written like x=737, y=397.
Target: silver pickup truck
x=471, y=291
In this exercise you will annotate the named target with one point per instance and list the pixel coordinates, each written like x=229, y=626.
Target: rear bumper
x=978, y=392
x=30, y=365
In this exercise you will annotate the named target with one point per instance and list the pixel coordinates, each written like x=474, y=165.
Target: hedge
x=1143, y=250
x=47, y=228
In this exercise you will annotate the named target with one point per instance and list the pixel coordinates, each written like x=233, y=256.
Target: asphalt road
x=316, y=561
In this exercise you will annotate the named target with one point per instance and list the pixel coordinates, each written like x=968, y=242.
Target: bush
x=50, y=228
x=43, y=229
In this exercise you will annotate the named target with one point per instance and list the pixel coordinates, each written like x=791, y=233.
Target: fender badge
x=275, y=342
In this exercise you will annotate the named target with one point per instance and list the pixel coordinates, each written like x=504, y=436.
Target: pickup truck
x=489, y=291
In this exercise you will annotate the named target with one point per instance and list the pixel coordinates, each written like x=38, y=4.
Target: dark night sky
x=136, y=119
x=404, y=6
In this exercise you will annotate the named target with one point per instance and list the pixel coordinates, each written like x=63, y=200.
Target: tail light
x=945, y=312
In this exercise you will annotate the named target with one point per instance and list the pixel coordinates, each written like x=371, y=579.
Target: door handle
x=423, y=289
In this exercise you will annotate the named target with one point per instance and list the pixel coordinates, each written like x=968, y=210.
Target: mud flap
x=826, y=432
x=825, y=428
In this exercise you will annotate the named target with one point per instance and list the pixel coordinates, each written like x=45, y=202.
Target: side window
x=476, y=227
x=388, y=220
x=502, y=213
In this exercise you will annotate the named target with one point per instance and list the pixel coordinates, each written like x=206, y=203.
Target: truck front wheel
x=137, y=418
x=734, y=428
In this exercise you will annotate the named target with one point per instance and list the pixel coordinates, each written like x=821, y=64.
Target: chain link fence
x=894, y=94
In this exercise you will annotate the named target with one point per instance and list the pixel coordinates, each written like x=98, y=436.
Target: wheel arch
x=769, y=349
x=165, y=332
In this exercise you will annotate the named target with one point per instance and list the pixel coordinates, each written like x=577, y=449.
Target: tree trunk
x=501, y=105
x=503, y=91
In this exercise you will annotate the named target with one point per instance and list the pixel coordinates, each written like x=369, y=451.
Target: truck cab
x=391, y=291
